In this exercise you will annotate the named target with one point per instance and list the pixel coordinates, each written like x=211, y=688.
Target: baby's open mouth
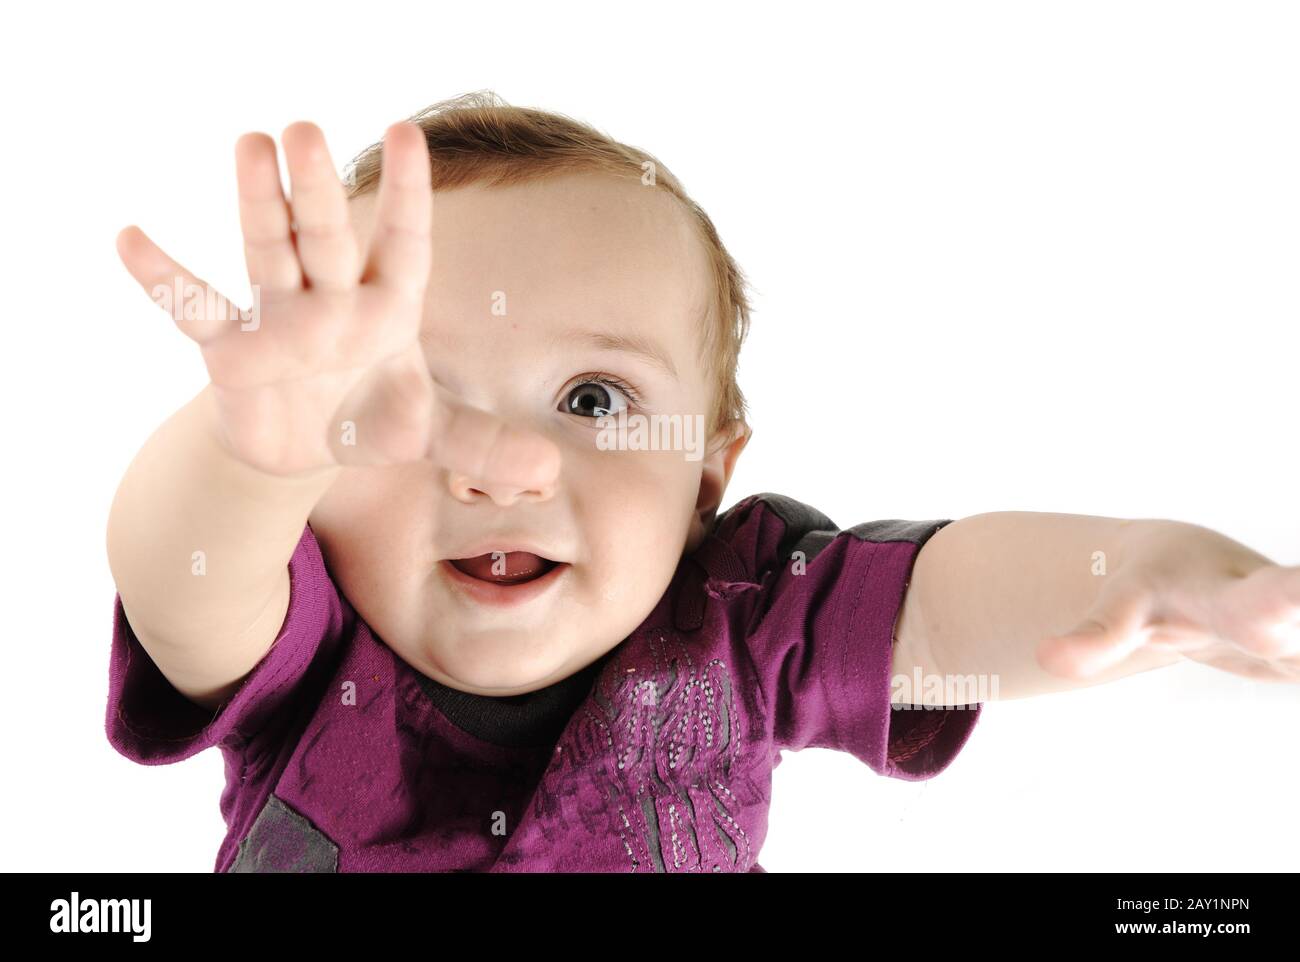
x=505, y=568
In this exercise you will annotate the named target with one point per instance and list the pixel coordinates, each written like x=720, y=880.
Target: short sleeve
x=821, y=634
x=150, y=722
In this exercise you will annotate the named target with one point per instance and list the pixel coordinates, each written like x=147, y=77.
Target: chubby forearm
x=986, y=590
x=198, y=542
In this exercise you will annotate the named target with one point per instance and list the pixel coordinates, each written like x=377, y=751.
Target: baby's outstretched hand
x=327, y=368
x=1200, y=599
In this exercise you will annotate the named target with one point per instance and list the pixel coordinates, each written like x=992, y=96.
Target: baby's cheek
x=638, y=549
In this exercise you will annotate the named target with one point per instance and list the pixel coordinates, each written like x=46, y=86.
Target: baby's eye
x=594, y=397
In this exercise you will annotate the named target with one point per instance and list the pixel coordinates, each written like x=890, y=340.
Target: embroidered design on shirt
x=673, y=736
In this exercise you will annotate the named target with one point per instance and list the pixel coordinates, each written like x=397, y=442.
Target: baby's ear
x=731, y=442
x=723, y=451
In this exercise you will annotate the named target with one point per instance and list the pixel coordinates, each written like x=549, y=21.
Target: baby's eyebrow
x=637, y=344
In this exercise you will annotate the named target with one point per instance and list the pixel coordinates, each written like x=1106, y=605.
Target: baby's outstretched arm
x=199, y=545
x=1038, y=602
x=327, y=371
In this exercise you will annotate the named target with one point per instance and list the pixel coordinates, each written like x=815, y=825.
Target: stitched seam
x=912, y=744
x=852, y=630
x=764, y=703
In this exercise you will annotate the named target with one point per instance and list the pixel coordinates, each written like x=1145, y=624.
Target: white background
x=1006, y=256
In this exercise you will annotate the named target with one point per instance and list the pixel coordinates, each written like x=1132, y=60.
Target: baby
x=390, y=563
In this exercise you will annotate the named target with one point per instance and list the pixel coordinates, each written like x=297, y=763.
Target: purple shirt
x=775, y=634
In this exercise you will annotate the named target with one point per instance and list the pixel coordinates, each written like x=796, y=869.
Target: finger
x=1269, y=639
x=201, y=312
x=1248, y=666
x=264, y=216
x=1105, y=639
x=1260, y=613
x=327, y=244
x=487, y=449
x=401, y=247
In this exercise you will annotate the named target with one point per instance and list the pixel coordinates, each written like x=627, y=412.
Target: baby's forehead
x=589, y=249
x=588, y=213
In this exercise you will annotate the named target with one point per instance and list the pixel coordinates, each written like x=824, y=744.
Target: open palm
x=327, y=367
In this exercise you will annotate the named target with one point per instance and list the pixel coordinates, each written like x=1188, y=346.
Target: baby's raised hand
x=1190, y=593
x=327, y=368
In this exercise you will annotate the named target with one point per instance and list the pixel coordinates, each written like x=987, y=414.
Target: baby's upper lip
x=506, y=544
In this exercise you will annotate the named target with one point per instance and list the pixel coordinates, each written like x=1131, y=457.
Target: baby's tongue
x=510, y=568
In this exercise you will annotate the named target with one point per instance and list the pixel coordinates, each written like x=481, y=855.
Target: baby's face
x=564, y=256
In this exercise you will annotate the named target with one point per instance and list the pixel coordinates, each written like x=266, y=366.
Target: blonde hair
x=478, y=138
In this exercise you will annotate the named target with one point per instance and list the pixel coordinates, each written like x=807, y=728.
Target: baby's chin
x=499, y=663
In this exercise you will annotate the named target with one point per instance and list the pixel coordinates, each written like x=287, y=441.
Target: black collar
x=532, y=720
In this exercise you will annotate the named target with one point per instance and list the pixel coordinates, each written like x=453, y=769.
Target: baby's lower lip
x=501, y=594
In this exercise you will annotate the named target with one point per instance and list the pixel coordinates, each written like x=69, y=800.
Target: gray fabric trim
x=806, y=528
x=917, y=532
x=797, y=515
x=809, y=531
x=281, y=840
x=811, y=544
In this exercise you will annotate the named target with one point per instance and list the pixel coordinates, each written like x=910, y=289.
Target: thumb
x=487, y=448
x=1105, y=638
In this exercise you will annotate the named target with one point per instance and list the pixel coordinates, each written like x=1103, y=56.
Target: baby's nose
x=469, y=490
